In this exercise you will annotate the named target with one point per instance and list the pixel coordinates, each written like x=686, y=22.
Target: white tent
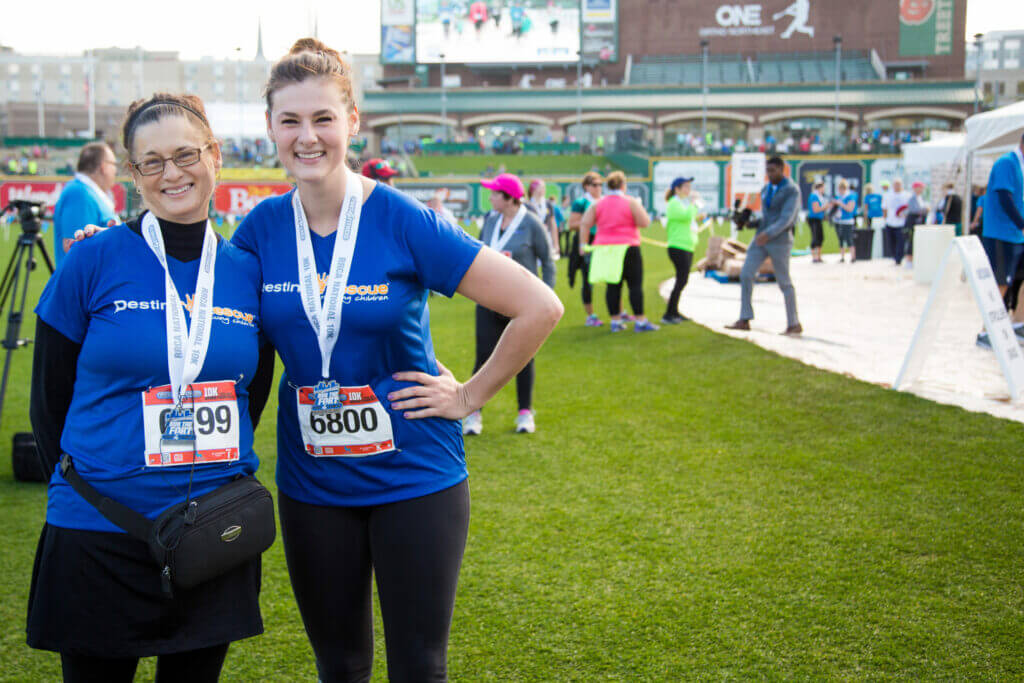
x=939, y=150
x=996, y=131
x=988, y=136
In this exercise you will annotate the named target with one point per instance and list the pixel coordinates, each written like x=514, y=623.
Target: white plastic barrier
x=930, y=245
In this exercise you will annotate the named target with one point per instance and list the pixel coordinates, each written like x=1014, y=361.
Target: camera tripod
x=13, y=295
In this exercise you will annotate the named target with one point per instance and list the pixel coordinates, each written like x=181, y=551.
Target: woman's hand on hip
x=432, y=396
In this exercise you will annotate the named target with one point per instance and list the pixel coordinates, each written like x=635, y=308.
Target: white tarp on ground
x=858, y=320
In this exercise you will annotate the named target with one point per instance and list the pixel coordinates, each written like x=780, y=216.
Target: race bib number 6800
x=361, y=427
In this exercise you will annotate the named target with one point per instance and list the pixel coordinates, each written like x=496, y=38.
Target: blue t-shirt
x=402, y=251
x=811, y=199
x=76, y=208
x=1006, y=175
x=874, y=204
x=848, y=215
x=109, y=297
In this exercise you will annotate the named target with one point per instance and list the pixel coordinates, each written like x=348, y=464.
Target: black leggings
x=489, y=326
x=195, y=666
x=413, y=547
x=632, y=275
x=586, y=289
x=817, y=232
x=683, y=261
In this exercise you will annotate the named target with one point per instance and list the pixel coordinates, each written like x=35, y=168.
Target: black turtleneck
x=55, y=357
x=183, y=241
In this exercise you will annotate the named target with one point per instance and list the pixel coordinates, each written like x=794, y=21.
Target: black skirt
x=97, y=593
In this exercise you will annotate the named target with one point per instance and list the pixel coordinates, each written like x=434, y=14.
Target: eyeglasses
x=182, y=159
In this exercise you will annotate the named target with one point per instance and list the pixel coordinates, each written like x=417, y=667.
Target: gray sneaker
x=473, y=423
x=524, y=422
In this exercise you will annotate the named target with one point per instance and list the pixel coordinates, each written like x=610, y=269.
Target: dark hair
x=309, y=58
x=591, y=177
x=160, y=106
x=616, y=180
x=508, y=197
x=776, y=161
x=91, y=157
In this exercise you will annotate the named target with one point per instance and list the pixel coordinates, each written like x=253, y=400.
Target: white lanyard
x=101, y=196
x=185, y=357
x=325, y=317
x=498, y=243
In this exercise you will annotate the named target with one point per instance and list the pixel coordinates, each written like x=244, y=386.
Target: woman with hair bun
x=371, y=468
x=103, y=378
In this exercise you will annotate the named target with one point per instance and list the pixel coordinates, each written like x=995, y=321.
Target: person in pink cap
x=519, y=234
x=917, y=214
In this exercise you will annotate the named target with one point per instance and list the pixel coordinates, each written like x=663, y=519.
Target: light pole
x=139, y=83
x=838, y=40
x=91, y=83
x=703, y=90
x=977, y=74
x=239, y=85
x=579, y=95
x=40, y=112
x=444, y=103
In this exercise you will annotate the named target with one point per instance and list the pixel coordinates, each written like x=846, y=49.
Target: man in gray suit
x=780, y=201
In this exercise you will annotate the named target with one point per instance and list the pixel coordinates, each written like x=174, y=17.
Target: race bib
x=361, y=426
x=214, y=408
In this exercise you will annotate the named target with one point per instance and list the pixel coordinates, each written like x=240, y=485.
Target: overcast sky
x=198, y=28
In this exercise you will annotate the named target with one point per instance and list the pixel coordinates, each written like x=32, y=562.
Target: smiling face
x=311, y=123
x=177, y=194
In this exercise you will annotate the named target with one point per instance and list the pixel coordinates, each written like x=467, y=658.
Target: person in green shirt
x=592, y=184
x=681, y=225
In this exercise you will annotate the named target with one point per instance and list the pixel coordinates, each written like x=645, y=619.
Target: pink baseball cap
x=507, y=183
x=916, y=184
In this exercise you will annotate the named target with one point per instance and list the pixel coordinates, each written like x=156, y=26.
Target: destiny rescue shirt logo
x=375, y=292
x=226, y=315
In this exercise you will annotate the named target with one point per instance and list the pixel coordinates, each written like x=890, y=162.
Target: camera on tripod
x=30, y=213
x=28, y=465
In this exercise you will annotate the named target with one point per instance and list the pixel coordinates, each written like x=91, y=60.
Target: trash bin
x=862, y=241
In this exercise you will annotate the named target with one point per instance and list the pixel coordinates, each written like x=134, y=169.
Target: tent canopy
x=940, y=149
x=996, y=130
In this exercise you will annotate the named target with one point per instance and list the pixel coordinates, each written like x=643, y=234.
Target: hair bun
x=313, y=45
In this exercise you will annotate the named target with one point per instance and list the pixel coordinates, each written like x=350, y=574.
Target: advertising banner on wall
x=459, y=200
x=48, y=192
x=238, y=199
x=705, y=181
x=748, y=172
x=397, y=19
x=830, y=173
x=599, y=31
x=490, y=33
x=926, y=27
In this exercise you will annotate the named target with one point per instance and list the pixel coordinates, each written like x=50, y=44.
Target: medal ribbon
x=185, y=355
x=325, y=317
x=497, y=243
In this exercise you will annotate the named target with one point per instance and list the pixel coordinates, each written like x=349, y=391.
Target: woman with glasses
x=146, y=320
x=580, y=261
x=371, y=469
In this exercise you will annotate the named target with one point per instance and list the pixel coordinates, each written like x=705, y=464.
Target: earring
x=138, y=190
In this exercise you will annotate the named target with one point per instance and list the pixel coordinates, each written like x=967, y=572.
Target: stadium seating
x=805, y=67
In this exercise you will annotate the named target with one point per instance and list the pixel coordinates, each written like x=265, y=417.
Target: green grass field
x=691, y=507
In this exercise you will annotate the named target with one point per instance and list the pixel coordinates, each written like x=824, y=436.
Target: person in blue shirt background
x=1003, y=227
x=846, y=201
x=816, y=207
x=371, y=468
x=872, y=207
x=101, y=387
x=86, y=200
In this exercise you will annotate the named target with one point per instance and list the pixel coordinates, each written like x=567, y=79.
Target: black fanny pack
x=195, y=540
